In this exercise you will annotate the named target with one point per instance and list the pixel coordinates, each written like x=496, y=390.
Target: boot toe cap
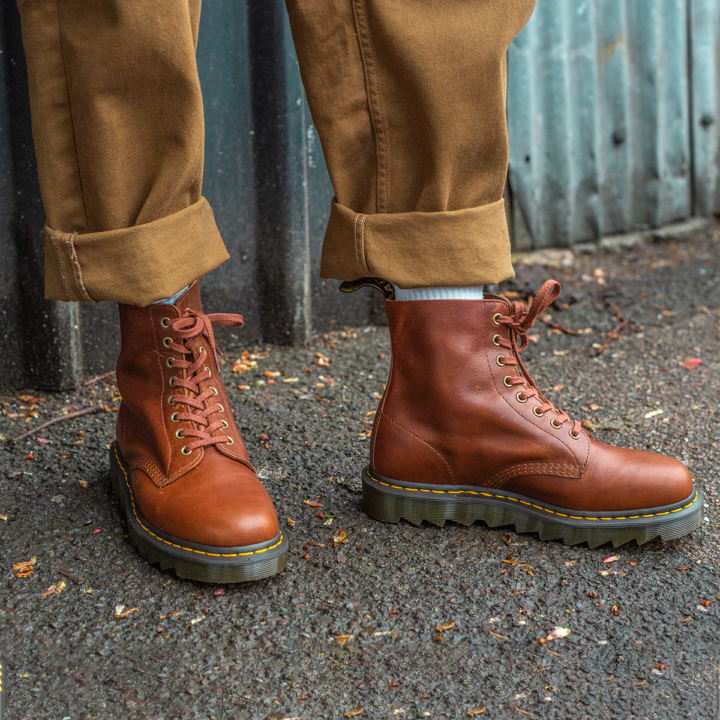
x=223, y=507
x=637, y=479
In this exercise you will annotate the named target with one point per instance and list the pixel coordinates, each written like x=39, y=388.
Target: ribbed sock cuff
x=172, y=300
x=440, y=293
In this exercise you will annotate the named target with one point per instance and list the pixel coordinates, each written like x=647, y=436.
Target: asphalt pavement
x=385, y=621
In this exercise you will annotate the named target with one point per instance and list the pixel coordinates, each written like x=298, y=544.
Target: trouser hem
x=456, y=248
x=136, y=265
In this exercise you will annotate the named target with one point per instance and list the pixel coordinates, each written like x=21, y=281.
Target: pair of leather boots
x=462, y=433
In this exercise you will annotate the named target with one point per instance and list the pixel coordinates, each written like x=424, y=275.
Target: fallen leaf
x=342, y=639
x=611, y=559
x=3, y=518
x=476, y=711
x=83, y=483
x=446, y=626
x=691, y=363
x=96, y=531
x=291, y=522
x=641, y=684
x=312, y=503
x=558, y=387
x=589, y=424
x=558, y=632
x=653, y=413
x=196, y=620
x=499, y=637
x=54, y=589
x=272, y=374
x=219, y=592
x=354, y=713
x=121, y=613
x=631, y=562
x=686, y=620
x=568, y=563
x=339, y=537
x=24, y=569
x=380, y=633
x=291, y=380
x=615, y=610
x=705, y=603
x=594, y=406
x=603, y=572
x=661, y=666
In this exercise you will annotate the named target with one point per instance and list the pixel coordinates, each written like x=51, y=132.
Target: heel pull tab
x=383, y=286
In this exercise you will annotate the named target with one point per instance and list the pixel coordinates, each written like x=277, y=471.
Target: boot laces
x=520, y=321
x=189, y=325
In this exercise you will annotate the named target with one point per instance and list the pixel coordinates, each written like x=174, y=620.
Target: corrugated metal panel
x=705, y=39
x=598, y=116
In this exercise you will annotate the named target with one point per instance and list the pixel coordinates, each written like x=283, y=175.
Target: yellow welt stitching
x=167, y=542
x=505, y=497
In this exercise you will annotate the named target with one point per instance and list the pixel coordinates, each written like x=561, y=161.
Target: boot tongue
x=190, y=299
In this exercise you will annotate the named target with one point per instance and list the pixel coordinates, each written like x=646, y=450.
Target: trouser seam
x=70, y=115
x=70, y=271
x=372, y=88
x=360, y=244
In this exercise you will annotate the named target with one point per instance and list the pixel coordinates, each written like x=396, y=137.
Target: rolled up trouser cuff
x=136, y=265
x=456, y=248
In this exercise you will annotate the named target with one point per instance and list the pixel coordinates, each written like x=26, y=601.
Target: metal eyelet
x=505, y=381
x=168, y=361
x=179, y=434
x=230, y=441
x=165, y=322
x=167, y=341
x=222, y=409
x=170, y=400
x=557, y=426
x=499, y=361
x=201, y=349
x=573, y=436
x=215, y=391
x=209, y=371
x=184, y=450
x=172, y=384
x=225, y=424
x=536, y=413
x=496, y=340
x=174, y=417
x=519, y=399
x=495, y=318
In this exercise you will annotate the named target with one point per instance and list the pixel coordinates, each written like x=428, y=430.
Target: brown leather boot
x=463, y=433
x=192, y=499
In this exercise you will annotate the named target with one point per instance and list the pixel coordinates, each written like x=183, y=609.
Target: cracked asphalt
x=397, y=621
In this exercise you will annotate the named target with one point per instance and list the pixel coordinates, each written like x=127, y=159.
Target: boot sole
x=390, y=501
x=203, y=563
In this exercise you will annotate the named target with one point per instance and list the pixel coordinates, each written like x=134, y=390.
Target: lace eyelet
x=519, y=399
x=225, y=424
x=165, y=322
x=167, y=341
x=573, y=436
x=171, y=401
x=184, y=450
x=201, y=349
x=174, y=417
x=171, y=381
x=209, y=372
x=557, y=426
x=496, y=340
x=536, y=413
x=495, y=318
x=179, y=434
x=505, y=381
x=230, y=441
x=222, y=409
x=499, y=360
x=168, y=362
x=215, y=392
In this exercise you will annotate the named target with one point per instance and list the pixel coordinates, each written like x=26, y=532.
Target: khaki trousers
x=408, y=97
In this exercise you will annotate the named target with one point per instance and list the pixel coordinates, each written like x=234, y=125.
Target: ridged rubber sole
x=203, y=563
x=390, y=501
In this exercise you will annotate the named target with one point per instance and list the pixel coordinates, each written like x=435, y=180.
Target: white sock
x=172, y=300
x=439, y=293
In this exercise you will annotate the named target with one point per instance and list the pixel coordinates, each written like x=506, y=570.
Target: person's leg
x=119, y=135
x=118, y=128
x=409, y=102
